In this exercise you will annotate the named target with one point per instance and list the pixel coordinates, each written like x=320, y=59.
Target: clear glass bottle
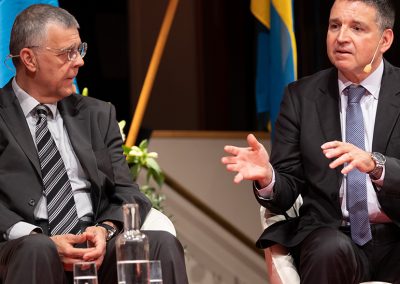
x=132, y=249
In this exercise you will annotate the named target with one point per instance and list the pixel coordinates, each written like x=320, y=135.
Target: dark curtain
x=226, y=49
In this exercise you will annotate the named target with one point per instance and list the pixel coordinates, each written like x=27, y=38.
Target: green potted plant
x=139, y=159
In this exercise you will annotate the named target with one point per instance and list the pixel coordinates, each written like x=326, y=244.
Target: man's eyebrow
x=334, y=20
x=72, y=46
x=358, y=23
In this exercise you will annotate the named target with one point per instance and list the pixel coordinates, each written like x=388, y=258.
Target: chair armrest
x=268, y=218
x=280, y=264
x=157, y=221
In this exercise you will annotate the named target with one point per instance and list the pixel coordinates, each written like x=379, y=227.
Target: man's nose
x=343, y=34
x=78, y=62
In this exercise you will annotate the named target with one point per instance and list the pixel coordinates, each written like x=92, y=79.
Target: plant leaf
x=151, y=163
x=144, y=144
x=135, y=170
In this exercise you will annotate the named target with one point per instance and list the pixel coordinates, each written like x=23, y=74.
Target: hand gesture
x=348, y=155
x=250, y=163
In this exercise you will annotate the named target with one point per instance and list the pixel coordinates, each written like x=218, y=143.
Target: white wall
x=195, y=164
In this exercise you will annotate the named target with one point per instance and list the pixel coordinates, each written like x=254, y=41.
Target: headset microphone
x=367, y=69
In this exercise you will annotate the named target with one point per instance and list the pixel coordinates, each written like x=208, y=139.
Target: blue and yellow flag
x=276, y=54
x=9, y=9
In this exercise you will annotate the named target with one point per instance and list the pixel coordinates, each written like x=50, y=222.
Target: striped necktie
x=62, y=215
x=356, y=181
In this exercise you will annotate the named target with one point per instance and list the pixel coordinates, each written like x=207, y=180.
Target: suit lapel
x=77, y=123
x=327, y=105
x=388, y=110
x=11, y=112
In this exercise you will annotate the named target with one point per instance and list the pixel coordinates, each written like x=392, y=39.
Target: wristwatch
x=380, y=161
x=111, y=231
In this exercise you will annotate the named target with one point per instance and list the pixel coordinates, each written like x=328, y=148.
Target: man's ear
x=387, y=40
x=28, y=58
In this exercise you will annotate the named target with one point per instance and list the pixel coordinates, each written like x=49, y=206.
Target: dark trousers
x=34, y=259
x=329, y=255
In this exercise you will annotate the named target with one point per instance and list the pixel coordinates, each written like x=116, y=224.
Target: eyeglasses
x=72, y=53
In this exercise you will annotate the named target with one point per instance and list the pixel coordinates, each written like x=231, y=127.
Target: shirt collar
x=372, y=83
x=28, y=103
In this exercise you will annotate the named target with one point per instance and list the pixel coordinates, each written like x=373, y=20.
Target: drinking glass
x=155, y=272
x=85, y=273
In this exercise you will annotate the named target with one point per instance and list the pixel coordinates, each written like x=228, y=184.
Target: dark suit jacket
x=96, y=140
x=310, y=117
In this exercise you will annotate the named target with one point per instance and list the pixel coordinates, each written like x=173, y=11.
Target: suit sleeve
x=286, y=157
x=389, y=193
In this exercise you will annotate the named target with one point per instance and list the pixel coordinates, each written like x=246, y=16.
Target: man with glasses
x=63, y=175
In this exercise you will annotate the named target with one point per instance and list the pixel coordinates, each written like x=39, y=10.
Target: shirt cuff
x=266, y=192
x=20, y=229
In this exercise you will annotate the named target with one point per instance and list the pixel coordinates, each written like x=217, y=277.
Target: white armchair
x=157, y=221
x=280, y=264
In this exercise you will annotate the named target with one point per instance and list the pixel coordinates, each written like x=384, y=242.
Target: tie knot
x=355, y=93
x=42, y=110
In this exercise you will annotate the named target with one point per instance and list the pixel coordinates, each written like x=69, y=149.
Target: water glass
x=85, y=273
x=155, y=272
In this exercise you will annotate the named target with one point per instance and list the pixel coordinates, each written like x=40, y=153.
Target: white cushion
x=157, y=221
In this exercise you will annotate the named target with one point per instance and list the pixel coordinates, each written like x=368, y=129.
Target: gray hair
x=30, y=26
x=385, y=11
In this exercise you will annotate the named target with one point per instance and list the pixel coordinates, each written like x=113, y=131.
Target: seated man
x=337, y=144
x=63, y=174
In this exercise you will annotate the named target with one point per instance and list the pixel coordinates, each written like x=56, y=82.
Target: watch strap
x=111, y=231
x=379, y=161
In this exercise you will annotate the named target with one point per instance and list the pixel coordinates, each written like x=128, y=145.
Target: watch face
x=379, y=158
x=110, y=230
x=110, y=234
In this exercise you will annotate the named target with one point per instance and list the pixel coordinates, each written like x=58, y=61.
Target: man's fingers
x=348, y=168
x=228, y=160
x=233, y=167
x=238, y=178
x=71, y=238
x=253, y=142
x=330, y=144
x=231, y=150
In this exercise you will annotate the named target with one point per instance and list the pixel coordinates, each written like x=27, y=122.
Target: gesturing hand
x=348, y=155
x=250, y=163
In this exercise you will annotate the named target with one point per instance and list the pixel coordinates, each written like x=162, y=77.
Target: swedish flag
x=276, y=54
x=9, y=9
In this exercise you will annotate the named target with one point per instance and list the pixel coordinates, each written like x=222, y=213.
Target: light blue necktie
x=356, y=181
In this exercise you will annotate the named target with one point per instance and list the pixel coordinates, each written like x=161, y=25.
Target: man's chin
x=65, y=92
x=70, y=89
x=344, y=66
